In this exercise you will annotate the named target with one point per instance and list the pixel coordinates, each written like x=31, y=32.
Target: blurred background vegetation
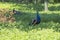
x=48, y=29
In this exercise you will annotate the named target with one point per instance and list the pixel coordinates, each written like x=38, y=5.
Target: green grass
x=48, y=29
x=16, y=34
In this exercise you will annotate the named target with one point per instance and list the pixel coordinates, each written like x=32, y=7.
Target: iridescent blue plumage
x=37, y=20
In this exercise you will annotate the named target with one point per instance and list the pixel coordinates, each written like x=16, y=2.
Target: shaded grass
x=48, y=29
x=47, y=21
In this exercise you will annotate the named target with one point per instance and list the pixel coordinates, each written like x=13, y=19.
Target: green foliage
x=29, y=7
x=48, y=29
x=30, y=1
x=34, y=34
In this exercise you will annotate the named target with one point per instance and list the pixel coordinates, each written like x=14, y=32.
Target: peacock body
x=37, y=20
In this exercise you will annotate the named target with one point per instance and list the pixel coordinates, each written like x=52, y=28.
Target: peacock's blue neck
x=38, y=16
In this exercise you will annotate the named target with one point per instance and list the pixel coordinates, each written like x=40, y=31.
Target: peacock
x=37, y=20
x=16, y=12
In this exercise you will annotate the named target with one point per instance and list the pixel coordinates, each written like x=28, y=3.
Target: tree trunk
x=46, y=5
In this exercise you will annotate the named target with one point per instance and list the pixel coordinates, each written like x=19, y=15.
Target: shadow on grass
x=47, y=21
x=22, y=22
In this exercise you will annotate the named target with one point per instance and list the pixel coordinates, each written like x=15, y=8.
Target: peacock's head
x=14, y=11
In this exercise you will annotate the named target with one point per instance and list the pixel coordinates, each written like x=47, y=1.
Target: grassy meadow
x=48, y=29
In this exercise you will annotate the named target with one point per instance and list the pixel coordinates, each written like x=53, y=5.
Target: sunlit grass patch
x=16, y=34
